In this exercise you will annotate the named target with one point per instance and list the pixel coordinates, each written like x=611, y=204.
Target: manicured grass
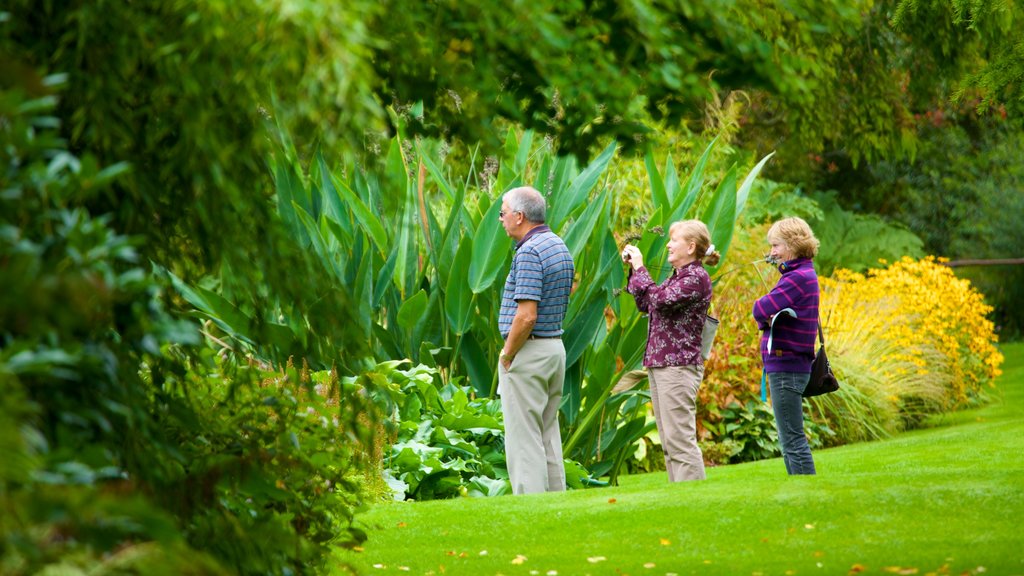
x=945, y=500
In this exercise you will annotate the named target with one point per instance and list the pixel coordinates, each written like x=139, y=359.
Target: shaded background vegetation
x=135, y=147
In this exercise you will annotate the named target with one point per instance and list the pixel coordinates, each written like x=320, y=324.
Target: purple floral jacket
x=677, y=309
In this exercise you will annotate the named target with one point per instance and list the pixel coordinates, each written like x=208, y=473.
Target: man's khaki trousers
x=531, y=392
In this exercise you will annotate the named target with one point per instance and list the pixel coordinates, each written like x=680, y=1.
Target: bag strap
x=821, y=336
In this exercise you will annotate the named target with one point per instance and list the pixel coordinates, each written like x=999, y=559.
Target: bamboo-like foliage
x=426, y=277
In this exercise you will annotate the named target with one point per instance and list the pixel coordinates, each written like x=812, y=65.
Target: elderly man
x=532, y=362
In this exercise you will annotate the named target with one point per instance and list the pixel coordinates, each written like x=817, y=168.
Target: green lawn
x=945, y=500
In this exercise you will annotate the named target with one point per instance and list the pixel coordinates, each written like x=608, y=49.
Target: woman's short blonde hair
x=797, y=235
x=697, y=232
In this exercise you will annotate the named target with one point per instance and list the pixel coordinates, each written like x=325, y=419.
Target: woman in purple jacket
x=788, y=319
x=675, y=368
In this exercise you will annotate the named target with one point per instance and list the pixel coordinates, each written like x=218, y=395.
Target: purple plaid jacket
x=677, y=309
x=792, y=338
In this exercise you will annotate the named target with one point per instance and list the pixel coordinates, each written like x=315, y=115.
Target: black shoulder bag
x=822, y=379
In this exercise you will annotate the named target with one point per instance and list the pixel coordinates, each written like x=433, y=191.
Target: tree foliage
x=121, y=452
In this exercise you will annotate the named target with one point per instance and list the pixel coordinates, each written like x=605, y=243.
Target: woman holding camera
x=677, y=309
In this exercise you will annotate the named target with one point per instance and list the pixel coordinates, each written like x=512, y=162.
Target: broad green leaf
x=430, y=325
x=583, y=227
x=720, y=214
x=671, y=184
x=579, y=333
x=215, y=307
x=367, y=219
x=407, y=267
x=744, y=190
x=436, y=173
x=478, y=365
x=565, y=203
x=658, y=196
x=331, y=197
x=491, y=248
x=458, y=295
x=289, y=190
x=508, y=177
x=525, y=143
x=601, y=377
x=412, y=310
x=384, y=279
x=317, y=241
x=693, y=185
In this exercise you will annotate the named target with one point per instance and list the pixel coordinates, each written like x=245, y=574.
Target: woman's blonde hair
x=797, y=235
x=695, y=231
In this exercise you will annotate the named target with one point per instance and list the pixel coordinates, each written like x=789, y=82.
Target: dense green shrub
x=123, y=446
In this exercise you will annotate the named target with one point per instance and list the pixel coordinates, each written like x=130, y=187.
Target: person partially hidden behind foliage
x=788, y=319
x=531, y=367
x=677, y=309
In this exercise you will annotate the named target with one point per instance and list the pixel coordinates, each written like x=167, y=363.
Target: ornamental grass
x=907, y=341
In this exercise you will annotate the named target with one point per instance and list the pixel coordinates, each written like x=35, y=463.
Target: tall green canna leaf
x=458, y=295
x=523, y=153
x=412, y=310
x=366, y=218
x=478, y=365
x=594, y=217
x=383, y=282
x=563, y=170
x=658, y=195
x=720, y=214
x=744, y=190
x=508, y=175
x=216, y=308
x=407, y=267
x=579, y=334
x=315, y=236
x=491, y=247
x=436, y=174
x=693, y=185
x=672, y=186
x=567, y=202
x=332, y=200
x=289, y=190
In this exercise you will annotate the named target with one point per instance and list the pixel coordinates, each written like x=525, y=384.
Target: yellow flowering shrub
x=911, y=330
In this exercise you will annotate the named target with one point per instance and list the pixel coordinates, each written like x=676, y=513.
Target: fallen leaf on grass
x=857, y=569
x=612, y=500
x=483, y=552
x=401, y=524
x=809, y=526
x=596, y=559
x=649, y=565
x=665, y=542
x=357, y=548
x=519, y=559
x=900, y=570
